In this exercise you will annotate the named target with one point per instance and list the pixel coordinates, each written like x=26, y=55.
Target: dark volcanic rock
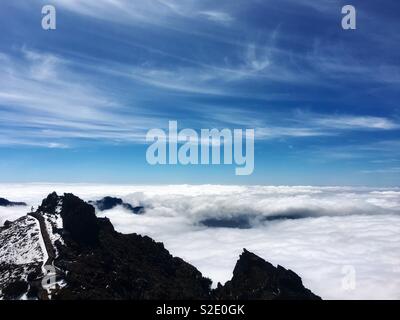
x=7, y=203
x=135, y=210
x=15, y=290
x=108, y=203
x=240, y=222
x=79, y=219
x=283, y=217
x=7, y=224
x=129, y=267
x=255, y=279
x=291, y=214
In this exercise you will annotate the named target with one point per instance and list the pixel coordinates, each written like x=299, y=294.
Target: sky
x=76, y=102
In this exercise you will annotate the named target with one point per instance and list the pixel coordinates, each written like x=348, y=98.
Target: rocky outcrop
x=97, y=262
x=93, y=261
x=240, y=222
x=108, y=203
x=7, y=203
x=256, y=279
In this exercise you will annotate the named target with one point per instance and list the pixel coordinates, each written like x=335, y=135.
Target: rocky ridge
x=93, y=261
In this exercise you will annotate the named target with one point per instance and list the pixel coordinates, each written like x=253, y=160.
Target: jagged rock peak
x=256, y=279
x=79, y=219
x=50, y=203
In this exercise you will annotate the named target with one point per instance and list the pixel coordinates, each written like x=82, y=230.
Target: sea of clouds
x=345, y=243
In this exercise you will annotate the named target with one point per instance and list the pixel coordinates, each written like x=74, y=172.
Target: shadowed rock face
x=15, y=290
x=79, y=220
x=96, y=262
x=127, y=267
x=255, y=279
x=7, y=203
x=108, y=203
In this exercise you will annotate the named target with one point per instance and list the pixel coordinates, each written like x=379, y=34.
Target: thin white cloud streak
x=217, y=16
x=350, y=226
x=357, y=122
x=346, y=121
x=303, y=125
x=395, y=170
x=378, y=152
x=336, y=62
x=322, y=6
x=273, y=132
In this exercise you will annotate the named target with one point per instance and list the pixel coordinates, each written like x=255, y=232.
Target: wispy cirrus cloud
x=51, y=103
x=217, y=16
x=153, y=12
x=394, y=170
x=337, y=62
x=319, y=60
x=379, y=156
x=357, y=122
x=304, y=124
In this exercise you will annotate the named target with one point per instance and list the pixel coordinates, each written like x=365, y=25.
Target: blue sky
x=76, y=102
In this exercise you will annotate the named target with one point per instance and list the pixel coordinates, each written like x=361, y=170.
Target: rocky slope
x=93, y=261
x=255, y=279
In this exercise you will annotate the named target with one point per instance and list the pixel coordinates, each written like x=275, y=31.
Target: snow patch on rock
x=20, y=242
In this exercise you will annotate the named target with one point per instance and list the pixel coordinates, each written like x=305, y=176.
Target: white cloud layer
x=342, y=227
